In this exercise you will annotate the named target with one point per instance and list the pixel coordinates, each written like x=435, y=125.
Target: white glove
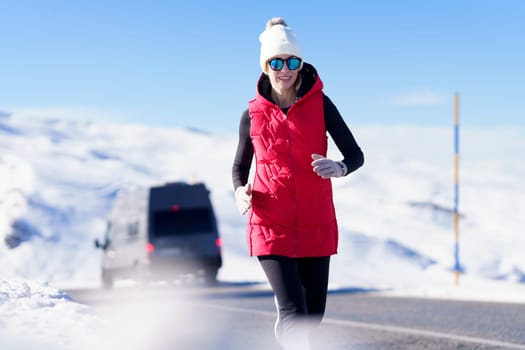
x=243, y=197
x=327, y=168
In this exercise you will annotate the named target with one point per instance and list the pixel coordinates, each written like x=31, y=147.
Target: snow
x=58, y=179
x=36, y=315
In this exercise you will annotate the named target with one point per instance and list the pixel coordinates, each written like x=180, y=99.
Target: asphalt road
x=241, y=317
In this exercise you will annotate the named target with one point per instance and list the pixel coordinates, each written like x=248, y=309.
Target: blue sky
x=195, y=63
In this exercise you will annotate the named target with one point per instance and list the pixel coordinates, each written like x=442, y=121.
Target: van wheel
x=107, y=279
x=142, y=276
x=210, y=276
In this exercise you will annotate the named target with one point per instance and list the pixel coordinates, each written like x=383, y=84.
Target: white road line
x=379, y=327
x=424, y=333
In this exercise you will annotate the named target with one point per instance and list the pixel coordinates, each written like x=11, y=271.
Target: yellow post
x=457, y=268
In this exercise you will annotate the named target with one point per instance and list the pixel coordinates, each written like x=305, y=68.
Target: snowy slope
x=58, y=178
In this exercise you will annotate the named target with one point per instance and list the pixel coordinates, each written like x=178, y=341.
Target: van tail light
x=218, y=243
x=175, y=207
x=150, y=248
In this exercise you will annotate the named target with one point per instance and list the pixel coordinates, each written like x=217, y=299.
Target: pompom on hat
x=278, y=39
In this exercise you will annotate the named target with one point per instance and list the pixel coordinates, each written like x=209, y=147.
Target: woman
x=292, y=226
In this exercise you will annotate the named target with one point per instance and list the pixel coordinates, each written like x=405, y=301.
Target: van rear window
x=182, y=222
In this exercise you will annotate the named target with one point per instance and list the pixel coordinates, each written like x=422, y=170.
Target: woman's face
x=283, y=79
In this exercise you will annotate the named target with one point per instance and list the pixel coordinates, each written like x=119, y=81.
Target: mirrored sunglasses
x=277, y=63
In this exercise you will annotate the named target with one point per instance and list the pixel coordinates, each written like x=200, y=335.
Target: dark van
x=161, y=232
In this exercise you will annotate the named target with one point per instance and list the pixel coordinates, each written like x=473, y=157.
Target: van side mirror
x=99, y=245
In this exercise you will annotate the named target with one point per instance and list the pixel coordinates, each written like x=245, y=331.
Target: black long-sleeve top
x=335, y=126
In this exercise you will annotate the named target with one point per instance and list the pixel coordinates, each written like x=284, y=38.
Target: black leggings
x=300, y=286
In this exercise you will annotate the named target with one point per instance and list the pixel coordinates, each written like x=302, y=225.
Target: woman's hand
x=243, y=197
x=327, y=168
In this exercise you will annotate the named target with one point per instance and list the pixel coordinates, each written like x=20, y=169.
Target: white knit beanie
x=277, y=39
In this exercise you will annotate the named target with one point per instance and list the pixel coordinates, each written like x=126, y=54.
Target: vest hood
x=310, y=82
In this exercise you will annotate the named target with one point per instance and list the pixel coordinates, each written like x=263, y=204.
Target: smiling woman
x=292, y=227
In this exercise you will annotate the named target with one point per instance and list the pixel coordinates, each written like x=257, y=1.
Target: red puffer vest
x=292, y=209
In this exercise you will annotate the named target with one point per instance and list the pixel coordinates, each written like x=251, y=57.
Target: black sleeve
x=342, y=136
x=244, y=154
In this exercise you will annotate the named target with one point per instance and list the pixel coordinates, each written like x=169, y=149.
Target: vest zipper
x=294, y=193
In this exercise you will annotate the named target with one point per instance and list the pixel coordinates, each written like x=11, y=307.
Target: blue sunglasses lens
x=293, y=63
x=277, y=64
